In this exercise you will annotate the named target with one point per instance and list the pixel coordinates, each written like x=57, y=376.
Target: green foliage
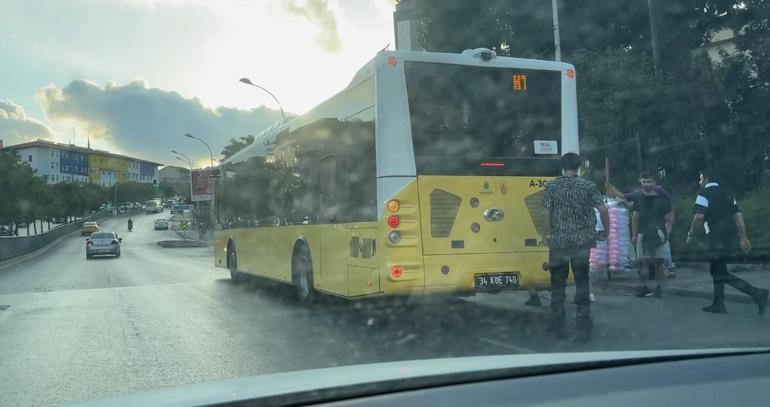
x=236, y=145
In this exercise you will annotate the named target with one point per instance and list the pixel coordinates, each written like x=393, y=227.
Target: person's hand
x=689, y=239
x=745, y=245
x=544, y=241
x=602, y=235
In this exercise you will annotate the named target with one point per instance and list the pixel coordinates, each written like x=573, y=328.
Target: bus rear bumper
x=457, y=273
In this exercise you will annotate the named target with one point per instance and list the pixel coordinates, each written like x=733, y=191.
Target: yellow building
x=103, y=166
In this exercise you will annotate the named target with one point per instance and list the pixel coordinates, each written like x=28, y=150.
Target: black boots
x=716, y=308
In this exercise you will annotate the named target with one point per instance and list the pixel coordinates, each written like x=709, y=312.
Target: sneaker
x=762, y=301
x=716, y=308
x=643, y=292
x=659, y=292
x=592, y=297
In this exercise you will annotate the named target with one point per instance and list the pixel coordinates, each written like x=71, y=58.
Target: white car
x=161, y=224
x=103, y=243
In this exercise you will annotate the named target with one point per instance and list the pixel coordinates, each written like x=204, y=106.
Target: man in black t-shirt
x=717, y=210
x=650, y=227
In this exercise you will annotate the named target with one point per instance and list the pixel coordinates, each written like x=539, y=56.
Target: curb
x=682, y=292
x=176, y=244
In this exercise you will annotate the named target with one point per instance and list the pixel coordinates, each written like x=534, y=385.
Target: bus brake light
x=396, y=271
x=492, y=164
x=393, y=221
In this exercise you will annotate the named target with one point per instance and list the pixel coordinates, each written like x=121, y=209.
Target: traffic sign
x=183, y=225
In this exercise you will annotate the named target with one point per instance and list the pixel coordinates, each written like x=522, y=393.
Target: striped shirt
x=571, y=202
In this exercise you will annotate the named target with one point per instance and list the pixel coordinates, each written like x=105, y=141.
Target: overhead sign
x=202, y=186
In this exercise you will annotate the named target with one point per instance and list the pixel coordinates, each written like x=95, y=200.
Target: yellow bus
x=424, y=175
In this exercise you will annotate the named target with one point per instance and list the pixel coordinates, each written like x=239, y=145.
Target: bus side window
x=332, y=186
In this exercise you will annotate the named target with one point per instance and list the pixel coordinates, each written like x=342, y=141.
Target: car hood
x=336, y=383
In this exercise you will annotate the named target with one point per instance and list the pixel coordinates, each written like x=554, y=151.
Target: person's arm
x=669, y=222
x=697, y=223
x=546, y=226
x=613, y=192
x=634, y=226
x=745, y=244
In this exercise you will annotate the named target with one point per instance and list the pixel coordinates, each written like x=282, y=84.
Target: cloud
x=16, y=127
x=319, y=12
x=148, y=122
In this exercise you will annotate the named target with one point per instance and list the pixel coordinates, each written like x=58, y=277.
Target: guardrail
x=12, y=246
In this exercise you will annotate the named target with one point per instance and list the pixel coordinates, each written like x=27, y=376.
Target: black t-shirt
x=719, y=207
x=652, y=211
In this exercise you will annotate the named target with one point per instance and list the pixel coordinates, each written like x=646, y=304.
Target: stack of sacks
x=618, y=238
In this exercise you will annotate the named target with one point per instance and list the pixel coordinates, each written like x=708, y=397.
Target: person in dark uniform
x=570, y=233
x=717, y=210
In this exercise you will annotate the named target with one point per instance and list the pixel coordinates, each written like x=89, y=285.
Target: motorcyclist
x=130, y=224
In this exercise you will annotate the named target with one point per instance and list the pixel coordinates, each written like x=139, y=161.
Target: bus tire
x=232, y=263
x=302, y=274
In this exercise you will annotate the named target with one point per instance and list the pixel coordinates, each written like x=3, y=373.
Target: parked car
x=89, y=228
x=6, y=230
x=161, y=224
x=101, y=243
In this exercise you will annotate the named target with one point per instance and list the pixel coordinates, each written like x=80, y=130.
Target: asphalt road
x=77, y=329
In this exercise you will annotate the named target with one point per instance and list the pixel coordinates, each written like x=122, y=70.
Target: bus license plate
x=493, y=281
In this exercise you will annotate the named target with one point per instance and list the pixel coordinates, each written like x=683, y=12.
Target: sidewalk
x=692, y=280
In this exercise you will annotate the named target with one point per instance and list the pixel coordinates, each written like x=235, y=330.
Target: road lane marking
x=508, y=346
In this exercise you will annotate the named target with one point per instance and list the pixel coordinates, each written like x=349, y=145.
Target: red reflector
x=392, y=61
x=396, y=271
x=570, y=73
x=487, y=164
x=393, y=221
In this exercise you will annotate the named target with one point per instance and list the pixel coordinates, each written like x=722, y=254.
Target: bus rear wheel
x=302, y=271
x=232, y=264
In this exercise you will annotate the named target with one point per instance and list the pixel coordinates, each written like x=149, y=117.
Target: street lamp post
x=212, y=207
x=189, y=162
x=248, y=82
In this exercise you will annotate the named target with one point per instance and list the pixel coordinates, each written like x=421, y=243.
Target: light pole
x=189, y=162
x=212, y=206
x=248, y=82
x=556, y=36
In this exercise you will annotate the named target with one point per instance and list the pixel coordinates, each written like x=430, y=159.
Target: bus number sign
x=538, y=183
x=519, y=82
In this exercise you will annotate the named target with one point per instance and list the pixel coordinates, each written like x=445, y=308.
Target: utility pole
x=652, y=9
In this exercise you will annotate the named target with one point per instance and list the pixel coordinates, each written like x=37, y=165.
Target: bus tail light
x=394, y=237
x=393, y=221
x=396, y=271
x=393, y=205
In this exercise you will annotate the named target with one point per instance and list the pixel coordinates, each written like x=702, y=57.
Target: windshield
x=462, y=116
x=197, y=191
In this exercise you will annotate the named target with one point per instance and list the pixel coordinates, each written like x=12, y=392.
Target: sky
x=134, y=76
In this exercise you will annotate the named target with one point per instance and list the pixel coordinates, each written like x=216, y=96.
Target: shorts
x=662, y=253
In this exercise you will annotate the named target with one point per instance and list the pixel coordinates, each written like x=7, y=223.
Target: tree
x=236, y=145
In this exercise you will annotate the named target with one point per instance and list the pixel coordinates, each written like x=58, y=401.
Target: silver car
x=103, y=243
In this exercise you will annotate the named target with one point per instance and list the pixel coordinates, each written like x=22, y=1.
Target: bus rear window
x=465, y=116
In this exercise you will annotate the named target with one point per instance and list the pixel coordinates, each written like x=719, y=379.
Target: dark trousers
x=560, y=261
x=722, y=252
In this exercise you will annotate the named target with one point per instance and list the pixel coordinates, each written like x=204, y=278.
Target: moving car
x=161, y=224
x=88, y=228
x=103, y=243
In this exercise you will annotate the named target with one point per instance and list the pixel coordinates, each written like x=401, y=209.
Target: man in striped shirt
x=569, y=204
